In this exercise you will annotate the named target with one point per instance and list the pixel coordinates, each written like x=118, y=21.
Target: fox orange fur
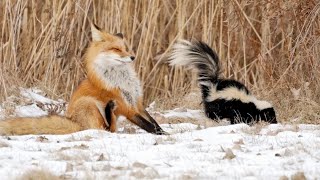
x=111, y=89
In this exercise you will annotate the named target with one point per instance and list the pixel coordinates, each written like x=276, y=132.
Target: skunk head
x=266, y=111
x=268, y=115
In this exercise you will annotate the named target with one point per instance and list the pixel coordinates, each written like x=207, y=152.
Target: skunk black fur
x=222, y=98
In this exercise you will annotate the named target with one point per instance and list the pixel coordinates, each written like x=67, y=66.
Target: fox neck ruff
x=121, y=77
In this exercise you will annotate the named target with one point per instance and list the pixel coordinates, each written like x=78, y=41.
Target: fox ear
x=96, y=33
x=120, y=35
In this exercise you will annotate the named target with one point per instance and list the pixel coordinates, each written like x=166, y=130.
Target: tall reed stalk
x=271, y=46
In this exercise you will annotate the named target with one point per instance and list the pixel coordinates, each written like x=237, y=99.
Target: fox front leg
x=111, y=118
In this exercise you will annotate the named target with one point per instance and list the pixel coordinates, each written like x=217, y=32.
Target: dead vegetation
x=298, y=176
x=38, y=174
x=271, y=46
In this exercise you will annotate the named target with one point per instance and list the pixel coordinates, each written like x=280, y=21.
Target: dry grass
x=38, y=174
x=271, y=46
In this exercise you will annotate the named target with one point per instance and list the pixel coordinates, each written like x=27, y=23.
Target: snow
x=31, y=110
x=182, y=113
x=189, y=152
x=1, y=113
x=35, y=95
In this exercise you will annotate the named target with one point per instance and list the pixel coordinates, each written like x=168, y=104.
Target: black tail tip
x=161, y=132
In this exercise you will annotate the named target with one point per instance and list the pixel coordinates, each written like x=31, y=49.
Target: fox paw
x=112, y=105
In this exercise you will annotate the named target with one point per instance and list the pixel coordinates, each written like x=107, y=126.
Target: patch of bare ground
x=4, y=144
x=255, y=128
x=228, y=154
x=38, y=174
x=298, y=176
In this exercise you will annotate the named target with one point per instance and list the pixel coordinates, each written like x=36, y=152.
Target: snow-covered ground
x=189, y=152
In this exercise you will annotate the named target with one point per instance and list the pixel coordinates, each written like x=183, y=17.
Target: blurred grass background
x=270, y=45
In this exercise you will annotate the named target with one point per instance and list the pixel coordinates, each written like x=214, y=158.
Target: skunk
x=222, y=98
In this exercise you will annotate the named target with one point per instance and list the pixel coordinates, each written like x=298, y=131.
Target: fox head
x=107, y=49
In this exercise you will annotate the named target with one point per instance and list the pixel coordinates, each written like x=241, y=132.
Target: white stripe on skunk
x=222, y=98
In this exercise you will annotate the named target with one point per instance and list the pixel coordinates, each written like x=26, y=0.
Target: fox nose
x=132, y=58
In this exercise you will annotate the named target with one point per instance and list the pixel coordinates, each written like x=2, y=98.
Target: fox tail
x=41, y=125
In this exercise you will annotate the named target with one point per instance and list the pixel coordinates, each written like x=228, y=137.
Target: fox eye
x=115, y=49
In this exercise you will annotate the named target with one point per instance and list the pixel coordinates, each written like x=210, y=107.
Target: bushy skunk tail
x=199, y=56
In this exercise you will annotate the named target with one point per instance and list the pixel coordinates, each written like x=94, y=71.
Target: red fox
x=111, y=89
